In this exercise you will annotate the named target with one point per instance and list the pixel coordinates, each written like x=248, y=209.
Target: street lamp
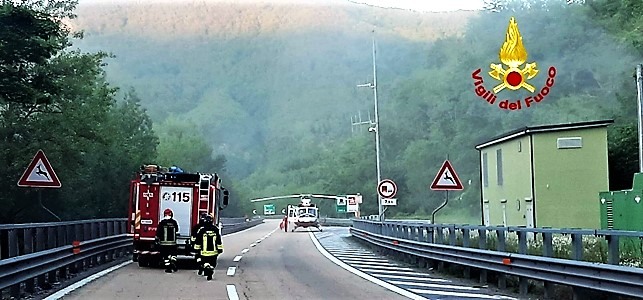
x=375, y=128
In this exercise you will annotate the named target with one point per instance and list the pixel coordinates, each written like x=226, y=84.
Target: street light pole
x=639, y=89
x=377, y=134
x=376, y=129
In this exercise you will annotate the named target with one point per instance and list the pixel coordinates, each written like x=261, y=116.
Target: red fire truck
x=188, y=195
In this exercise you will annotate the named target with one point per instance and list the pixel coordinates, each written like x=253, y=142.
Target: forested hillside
x=273, y=87
x=264, y=93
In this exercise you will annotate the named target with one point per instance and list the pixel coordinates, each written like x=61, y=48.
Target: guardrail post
x=40, y=246
x=440, y=240
x=577, y=246
x=430, y=234
x=522, y=249
x=28, y=244
x=12, y=235
x=439, y=234
x=482, y=244
x=548, y=251
x=452, y=235
x=613, y=255
x=465, y=243
x=500, y=233
x=53, y=240
x=80, y=231
x=93, y=233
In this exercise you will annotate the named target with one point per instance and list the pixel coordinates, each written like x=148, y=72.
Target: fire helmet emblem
x=513, y=54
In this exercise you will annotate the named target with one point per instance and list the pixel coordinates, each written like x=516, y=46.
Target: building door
x=529, y=212
x=485, y=213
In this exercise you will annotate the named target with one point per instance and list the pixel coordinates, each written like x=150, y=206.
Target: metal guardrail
x=426, y=241
x=235, y=227
x=38, y=254
x=335, y=222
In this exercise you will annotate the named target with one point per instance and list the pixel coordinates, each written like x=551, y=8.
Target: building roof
x=528, y=130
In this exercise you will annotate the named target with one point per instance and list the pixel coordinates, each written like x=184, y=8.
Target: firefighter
x=197, y=247
x=209, y=239
x=166, y=234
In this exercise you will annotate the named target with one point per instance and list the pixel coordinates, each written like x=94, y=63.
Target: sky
x=417, y=5
x=427, y=5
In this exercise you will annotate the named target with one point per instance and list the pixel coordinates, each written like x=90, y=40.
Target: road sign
x=269, y=209
x=352, y=205
x=341, y=206
x=389, y=201
x=387, y=188
x=39, y=173
x=447, y=179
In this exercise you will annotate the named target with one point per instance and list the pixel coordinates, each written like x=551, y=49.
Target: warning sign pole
x=446, y=200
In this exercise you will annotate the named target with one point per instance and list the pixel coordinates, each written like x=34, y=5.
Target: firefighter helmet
x=209, y=219
x=168, y=212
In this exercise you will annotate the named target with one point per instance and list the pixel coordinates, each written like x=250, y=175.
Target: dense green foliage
x=59, y=100
x=269, y=103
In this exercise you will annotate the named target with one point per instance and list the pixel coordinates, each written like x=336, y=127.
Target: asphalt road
x=270, y=264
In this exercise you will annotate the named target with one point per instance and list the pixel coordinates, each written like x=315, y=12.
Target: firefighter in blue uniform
x=209, y=240
x=166, y=233
x=197, y=247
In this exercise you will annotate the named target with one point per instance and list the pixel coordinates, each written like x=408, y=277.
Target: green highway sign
x=269, y=209
x=341, y=204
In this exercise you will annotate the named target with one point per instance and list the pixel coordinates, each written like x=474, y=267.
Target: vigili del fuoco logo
x=512, y=74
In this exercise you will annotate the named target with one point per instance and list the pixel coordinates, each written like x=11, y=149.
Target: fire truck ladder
x=204, y=193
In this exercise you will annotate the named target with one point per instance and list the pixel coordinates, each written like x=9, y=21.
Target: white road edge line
x=85, y=281
x=253, y=244
x=370, y=278
x=232, y=292
x=237, y=258
x=244, y=251
x=231, y=271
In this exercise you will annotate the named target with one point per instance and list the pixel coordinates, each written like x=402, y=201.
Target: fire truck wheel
x=143, y=262
x=135, y=257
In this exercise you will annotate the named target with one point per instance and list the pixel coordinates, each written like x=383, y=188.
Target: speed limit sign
x=387, y=188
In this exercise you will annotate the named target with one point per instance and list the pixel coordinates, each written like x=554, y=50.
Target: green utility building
x=545, y=175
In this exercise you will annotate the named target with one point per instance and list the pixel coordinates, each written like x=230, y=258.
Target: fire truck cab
x=188, y=195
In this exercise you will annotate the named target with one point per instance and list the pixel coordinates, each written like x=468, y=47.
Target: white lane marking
x=382, y=267
x=348, y=254
x=458, y=294
x=232, y=292
x=85, y=281
x=364, y=259
x=237, y=258
x=366, y=263
x=435, y=286
x=412, y=278
x=231, y=271
x=253, y=244
x=368, y=277
x=258, y=241
x=244, y=251
x=331, y=248
x=389, y=272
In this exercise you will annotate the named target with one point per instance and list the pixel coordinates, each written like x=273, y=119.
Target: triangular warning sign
x=447, y=179
x=39, y=173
